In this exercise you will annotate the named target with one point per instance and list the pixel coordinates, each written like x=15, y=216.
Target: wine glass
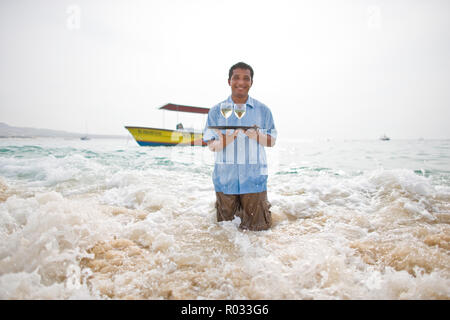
x=226, y=109
x=239, y=110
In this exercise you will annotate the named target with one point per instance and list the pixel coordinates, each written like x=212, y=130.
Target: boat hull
x=152, y=137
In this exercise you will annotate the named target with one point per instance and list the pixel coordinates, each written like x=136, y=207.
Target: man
x=240, y=171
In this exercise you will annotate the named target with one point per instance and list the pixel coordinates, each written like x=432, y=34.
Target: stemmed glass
x=239, y=110
x=226, y=109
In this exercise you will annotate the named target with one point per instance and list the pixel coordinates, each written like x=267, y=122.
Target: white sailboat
x=85, y=137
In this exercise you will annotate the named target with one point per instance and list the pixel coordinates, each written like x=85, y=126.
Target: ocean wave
x=126, y=224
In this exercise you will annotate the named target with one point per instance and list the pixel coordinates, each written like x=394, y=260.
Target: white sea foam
x=138, y=224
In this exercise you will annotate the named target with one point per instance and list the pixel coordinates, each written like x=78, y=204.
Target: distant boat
x=145, y=136
x=85, y=137
x=384, y=137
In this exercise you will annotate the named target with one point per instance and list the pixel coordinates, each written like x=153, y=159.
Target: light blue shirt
x=241, y=167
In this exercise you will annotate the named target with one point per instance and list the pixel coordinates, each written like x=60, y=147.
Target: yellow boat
x=145, y=136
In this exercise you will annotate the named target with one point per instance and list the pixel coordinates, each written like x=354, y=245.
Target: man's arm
x=265, y=140
x=224, y=140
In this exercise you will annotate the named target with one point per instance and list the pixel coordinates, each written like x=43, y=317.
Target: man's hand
x=252, y=133
x=224, y=140
x=265, y=140
x=229, y=134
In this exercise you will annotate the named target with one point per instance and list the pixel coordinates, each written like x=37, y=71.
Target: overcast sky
x=327, y=69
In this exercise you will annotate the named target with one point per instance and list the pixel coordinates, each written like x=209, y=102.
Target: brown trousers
x=252, y=208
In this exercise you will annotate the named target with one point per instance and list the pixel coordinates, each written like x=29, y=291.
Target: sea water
x=107, y=219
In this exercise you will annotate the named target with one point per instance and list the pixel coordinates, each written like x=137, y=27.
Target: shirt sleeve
x=210, y=134
x=269, y=125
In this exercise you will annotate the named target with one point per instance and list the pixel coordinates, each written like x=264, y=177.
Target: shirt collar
x=250, y=101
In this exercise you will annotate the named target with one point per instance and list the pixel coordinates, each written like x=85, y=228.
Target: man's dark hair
x=240, y=65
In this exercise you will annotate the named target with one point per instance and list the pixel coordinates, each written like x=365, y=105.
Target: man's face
x=240, y=82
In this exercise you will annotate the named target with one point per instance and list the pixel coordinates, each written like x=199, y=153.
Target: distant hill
x=7, y=131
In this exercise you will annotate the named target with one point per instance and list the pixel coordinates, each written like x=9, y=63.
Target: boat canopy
x=181, y=108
